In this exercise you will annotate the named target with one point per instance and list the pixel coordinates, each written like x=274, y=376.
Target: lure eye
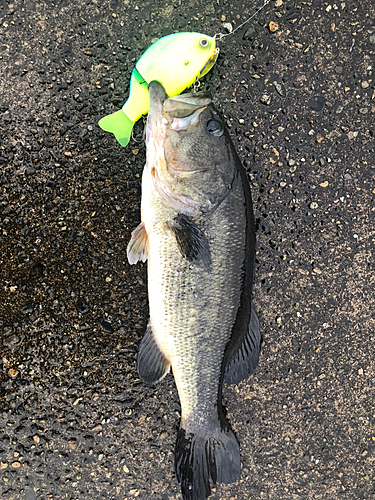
x=203, y=42
x=215, y=127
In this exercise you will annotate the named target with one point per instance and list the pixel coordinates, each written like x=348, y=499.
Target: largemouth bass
x=197, y=232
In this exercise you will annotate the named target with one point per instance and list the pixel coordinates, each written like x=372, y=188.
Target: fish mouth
x=174, y=114
x=211, y=61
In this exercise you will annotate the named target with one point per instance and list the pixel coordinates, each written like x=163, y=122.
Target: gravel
x=72, y=311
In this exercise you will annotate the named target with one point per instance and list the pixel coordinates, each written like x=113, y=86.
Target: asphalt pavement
x=299, y=99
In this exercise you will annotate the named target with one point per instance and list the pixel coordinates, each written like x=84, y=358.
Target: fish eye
x=215, y=127
x=203, y=42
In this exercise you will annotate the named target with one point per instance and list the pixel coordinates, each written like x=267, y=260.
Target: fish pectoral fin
x=152, y=365
x=245, y=359
x=138, y=245
x=191, y=241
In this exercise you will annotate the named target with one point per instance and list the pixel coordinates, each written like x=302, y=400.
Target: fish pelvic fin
x=119, y=125
x=245, y=359
x=152, y=365
x=202, y=460
x=138, y=245
x=191, y=240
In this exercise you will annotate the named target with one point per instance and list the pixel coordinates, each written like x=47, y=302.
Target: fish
x=176, y=61
x=197, y=234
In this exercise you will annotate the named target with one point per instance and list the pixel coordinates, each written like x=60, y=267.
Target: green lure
x=175, y=61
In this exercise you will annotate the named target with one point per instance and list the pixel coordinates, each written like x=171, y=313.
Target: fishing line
x=220, y=36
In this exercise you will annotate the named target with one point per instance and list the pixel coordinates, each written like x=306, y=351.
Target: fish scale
x=196, y=347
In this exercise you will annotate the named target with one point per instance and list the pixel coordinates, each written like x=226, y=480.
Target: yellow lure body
x=175, y=61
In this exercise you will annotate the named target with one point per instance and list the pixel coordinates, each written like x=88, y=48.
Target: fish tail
x=119, y=125
x=202, y=460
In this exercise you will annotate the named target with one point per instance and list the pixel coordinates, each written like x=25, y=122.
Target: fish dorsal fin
x=191, y=241
x=244, y=360
x=152, y=365
x=138, y=245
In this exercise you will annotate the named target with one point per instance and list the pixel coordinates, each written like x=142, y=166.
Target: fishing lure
x=175, y=61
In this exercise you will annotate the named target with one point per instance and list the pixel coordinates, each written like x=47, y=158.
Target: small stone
x=125, y=469
x=323, y=184
x=317, y=103
x=313, y=205
x=282, y=184
x=241, y=120
x=250, y=34
x=135, y=152
x=363, y=111
x=280, y=89
x=107, y=327
x=16, y=465
x=228, y=27
x=28, y=308
x=364, y=85
x=293, y=16
x=265, y=99
x=303, y=271
x=11, y=340
x=352, y=135
x=272, y=26
x=278, y=3
x=81, y=306
x=13, y=373
x=372, y=39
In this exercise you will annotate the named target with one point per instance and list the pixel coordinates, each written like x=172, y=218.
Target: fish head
x=189, y=154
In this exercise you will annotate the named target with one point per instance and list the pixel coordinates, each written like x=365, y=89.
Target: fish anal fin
x=242, y=363
x=152, y=365
x=191, y=240
x=138, y=245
